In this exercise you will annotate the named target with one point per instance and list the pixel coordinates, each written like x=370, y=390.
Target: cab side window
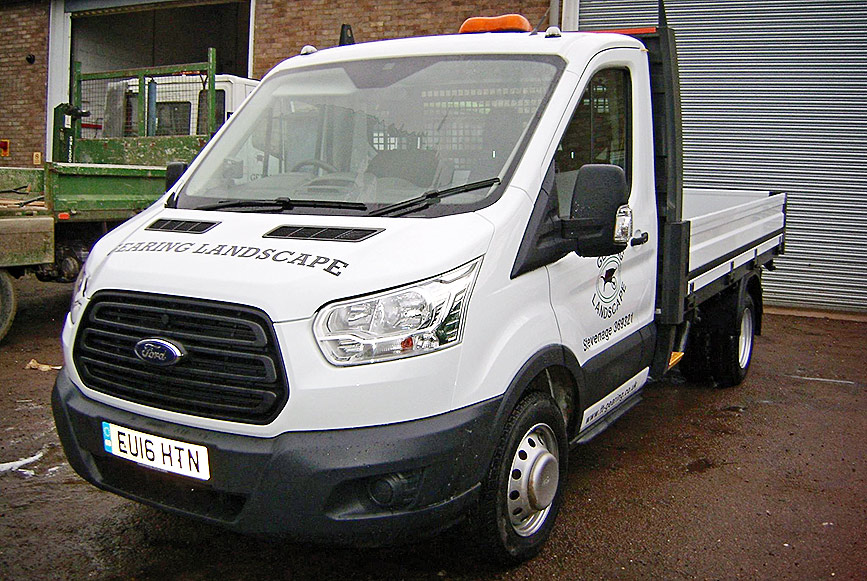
x=599, y=132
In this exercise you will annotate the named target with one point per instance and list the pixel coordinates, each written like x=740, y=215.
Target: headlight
x=411, y=320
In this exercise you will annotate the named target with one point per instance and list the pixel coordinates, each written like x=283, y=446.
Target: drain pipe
x=554, y=13
x=569, y=20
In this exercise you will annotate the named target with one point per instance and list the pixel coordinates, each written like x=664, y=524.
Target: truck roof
x=569, y=45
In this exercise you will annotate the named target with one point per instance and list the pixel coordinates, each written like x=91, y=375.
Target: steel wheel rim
x=533, y=480
x=745, y=341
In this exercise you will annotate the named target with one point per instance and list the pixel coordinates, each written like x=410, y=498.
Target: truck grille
x=231, y=369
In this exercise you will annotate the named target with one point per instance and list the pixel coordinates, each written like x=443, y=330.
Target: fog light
x=396, y=490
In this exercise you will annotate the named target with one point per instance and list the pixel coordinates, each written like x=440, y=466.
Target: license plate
x=156, y=452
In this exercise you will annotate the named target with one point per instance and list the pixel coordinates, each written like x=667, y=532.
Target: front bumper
x=305, y=485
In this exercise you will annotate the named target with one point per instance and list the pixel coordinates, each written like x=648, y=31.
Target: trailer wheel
x=8, y=303
x=734, y=350
x=522, y=493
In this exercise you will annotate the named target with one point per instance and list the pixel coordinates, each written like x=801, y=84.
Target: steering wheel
x=316, y=163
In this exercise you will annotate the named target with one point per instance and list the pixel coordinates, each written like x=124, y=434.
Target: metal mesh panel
x=169, y=105
x=462, y=124
x=457, y=120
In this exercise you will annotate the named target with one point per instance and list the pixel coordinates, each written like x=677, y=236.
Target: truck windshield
x=376, y=133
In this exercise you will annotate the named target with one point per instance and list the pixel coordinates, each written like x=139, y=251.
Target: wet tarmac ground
x=764, y=481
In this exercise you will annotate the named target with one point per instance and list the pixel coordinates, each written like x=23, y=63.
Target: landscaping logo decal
x=609, y=286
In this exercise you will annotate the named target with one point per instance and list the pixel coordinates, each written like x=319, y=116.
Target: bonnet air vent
x=322, y=233
x=188, y=226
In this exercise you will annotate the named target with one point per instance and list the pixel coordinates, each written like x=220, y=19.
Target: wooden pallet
x=13, y=204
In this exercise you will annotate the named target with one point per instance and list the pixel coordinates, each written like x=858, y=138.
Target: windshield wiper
x=281, y=204
x=429, y=198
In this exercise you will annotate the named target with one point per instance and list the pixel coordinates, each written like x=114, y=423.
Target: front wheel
x=522, y=493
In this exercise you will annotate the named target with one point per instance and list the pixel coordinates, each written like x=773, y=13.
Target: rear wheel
x=720, y=347
x=8, y=303
x=522, y=493
x=735, y=350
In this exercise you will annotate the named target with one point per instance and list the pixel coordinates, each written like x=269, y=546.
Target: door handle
x=639, y=239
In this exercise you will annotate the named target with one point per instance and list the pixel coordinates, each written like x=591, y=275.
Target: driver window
x=599, y=132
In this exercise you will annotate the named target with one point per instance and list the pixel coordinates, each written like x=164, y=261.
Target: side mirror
x=600, y=219
x=174, y=171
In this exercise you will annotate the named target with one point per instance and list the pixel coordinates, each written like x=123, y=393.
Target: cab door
x=605, y=305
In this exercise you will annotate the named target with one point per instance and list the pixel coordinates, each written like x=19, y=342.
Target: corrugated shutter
x=775, y=97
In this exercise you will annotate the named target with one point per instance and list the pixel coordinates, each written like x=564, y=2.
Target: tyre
x=8, y=303
x=523, y=490
x=734, y=350
x=720, y=346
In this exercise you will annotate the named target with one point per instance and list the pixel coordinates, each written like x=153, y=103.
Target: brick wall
x=24, y=31
x=284, y=26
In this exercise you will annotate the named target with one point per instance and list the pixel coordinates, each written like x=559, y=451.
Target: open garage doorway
x=153, y=34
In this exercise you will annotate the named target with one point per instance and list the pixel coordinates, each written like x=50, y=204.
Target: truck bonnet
x=287, y=265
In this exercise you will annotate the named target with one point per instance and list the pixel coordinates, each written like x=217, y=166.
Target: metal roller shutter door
x=775, y=98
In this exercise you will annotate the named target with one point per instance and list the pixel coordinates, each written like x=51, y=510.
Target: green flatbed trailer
x=49, y=226
x=51, y=216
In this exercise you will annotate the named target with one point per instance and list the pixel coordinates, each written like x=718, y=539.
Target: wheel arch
x=726, y=304
x=752, y=284
x=552, y=370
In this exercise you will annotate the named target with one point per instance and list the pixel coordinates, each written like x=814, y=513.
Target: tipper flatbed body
x=730, y=229
x=405, y=279
x=51, y=216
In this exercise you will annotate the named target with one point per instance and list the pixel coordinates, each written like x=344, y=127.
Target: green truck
x=112, y=145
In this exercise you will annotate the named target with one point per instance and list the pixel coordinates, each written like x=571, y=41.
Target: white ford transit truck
x=402, y=282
